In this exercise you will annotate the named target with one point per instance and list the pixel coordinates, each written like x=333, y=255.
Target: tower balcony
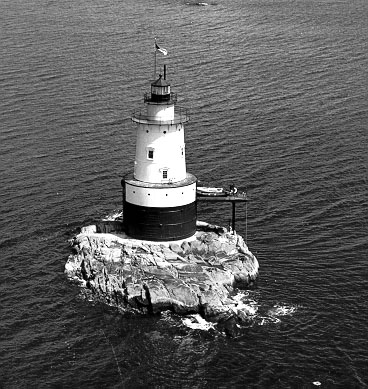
x=181, y=115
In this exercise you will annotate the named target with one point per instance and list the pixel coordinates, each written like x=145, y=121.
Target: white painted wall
x=160, y=112
x=157, y=197
x=167, y=143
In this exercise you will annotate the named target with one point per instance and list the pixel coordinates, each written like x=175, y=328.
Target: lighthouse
x=159, y=197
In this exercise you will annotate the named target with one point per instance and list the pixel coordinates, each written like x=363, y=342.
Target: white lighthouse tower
x=159, y=199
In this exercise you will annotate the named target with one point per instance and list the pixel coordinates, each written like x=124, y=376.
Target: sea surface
x=277, y=91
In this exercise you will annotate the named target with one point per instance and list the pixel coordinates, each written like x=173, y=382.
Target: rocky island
x=199, y=275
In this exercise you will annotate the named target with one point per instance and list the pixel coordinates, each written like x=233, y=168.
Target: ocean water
x=277, y=91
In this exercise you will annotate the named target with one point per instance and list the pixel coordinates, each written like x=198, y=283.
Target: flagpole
x=154, y=69
x=161, y=50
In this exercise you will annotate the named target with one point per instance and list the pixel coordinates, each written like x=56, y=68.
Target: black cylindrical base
x=159, y=224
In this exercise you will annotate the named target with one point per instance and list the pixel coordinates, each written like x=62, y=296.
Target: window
x=150, y=153
x=164, y=174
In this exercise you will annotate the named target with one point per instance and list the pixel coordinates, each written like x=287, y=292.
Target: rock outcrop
x=199, y=275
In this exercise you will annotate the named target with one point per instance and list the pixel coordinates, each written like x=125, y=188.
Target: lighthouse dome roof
x=160, y=82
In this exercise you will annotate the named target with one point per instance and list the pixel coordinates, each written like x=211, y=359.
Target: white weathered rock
x=186, y=277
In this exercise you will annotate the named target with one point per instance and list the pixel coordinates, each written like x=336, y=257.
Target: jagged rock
x=198, y=275
x=175, y=248
x=198, y=247
x=185, y=246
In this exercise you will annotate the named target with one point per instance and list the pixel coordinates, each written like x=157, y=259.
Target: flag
x=161, y=50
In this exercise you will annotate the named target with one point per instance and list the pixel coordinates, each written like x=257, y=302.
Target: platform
x=238, y=198
x=232, y=199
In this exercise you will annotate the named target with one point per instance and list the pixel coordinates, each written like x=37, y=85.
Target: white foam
x=281, y=310
x=113, y=215
x=242, y=302
x=196, y=322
